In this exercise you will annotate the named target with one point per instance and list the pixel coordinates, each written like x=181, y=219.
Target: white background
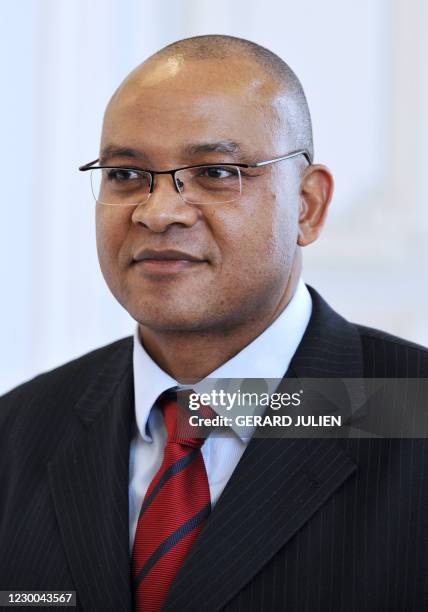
x=364, y=67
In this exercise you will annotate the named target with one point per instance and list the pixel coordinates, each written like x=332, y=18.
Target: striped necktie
x=173, y=512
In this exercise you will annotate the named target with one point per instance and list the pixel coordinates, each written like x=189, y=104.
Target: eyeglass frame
x=172, y=173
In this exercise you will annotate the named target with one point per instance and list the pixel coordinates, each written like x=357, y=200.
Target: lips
x=165, y=255
x=166, y=263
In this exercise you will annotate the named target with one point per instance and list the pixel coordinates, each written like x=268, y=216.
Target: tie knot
x=180, y=426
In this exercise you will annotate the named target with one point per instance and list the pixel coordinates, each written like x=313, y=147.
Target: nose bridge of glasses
x=157, y=176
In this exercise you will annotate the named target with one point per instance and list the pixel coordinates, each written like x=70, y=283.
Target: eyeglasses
x=203, y=184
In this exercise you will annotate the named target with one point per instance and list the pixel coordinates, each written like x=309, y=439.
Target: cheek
x=260, y=236
x=282, y=216
x=111, y=228
x=285, y=227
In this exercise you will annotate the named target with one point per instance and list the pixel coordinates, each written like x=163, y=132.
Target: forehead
x=165, y=105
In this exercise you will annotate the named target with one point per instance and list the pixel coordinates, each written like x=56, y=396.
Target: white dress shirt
x=267, y=356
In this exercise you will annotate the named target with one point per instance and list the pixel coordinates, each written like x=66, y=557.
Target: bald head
x=281, y=87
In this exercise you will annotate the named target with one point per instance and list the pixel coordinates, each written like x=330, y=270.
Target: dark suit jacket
x=302, y=525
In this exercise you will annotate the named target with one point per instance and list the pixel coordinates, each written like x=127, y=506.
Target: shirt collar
x=267, y=356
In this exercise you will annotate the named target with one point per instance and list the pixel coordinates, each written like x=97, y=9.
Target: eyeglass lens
x=200, y=185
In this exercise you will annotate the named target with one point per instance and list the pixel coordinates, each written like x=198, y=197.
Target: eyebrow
x=115, y=151
x=227, y=146
x=221, y=146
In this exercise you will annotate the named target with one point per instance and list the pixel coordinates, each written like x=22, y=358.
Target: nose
x=165, y=207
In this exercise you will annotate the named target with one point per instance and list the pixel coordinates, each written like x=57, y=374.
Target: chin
x=169, y=324
x=169, y=319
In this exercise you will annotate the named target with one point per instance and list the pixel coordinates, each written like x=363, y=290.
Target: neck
x=191, y=356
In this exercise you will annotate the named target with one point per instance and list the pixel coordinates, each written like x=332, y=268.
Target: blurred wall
x=364, y=67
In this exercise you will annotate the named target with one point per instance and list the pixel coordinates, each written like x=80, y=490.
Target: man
x=201, y=244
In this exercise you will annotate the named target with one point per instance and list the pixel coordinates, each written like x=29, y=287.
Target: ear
x=316, y=190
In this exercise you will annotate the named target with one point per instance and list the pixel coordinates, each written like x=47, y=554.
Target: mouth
x=166, y=262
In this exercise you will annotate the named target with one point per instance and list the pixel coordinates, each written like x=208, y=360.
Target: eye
x=218, y=172
x=122, y=175
x=125, y=180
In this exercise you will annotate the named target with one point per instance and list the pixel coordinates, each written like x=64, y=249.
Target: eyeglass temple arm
x=277, y=159
x=88, y=165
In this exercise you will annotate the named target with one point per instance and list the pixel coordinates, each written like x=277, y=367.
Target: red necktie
x=172, y=514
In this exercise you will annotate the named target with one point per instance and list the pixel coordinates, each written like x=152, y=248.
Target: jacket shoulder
x=386, y=355
x=65, y=382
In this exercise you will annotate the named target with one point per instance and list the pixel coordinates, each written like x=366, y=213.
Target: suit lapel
x=278, y=483
x=89, y=484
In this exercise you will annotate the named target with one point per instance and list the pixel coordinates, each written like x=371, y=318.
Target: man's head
x=210, y=99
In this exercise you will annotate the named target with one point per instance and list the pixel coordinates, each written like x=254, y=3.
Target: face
x=237, y=256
